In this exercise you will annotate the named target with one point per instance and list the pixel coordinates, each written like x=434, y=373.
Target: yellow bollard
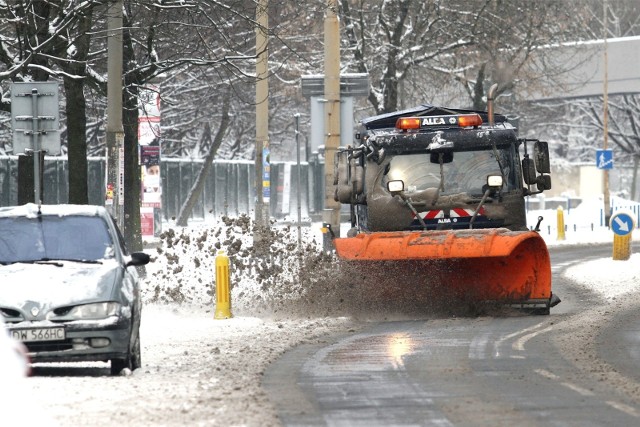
x=223, y=294
x=622, y=225
x=621, y=247
x=561, y=235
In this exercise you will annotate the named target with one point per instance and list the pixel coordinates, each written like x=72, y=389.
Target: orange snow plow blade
x=481, y=265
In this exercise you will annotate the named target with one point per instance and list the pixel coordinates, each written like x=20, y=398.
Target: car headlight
x=98, y=310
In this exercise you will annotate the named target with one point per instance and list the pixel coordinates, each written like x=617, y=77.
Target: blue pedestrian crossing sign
x=604, y=159
x=621, y=223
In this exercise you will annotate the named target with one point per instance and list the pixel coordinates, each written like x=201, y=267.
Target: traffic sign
x=604, y=159
x=35, y=117
x=622, y=223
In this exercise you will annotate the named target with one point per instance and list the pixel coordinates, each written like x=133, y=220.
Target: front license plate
x=38, y=334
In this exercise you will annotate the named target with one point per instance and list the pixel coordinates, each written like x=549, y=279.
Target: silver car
x=69, y=290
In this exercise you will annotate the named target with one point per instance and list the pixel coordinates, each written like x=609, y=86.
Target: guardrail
x=584, y=217
x=229, y=187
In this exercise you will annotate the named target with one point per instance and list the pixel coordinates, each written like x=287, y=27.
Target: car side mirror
x=138, y=259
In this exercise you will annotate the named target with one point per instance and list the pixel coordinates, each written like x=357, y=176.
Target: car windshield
x=466, y=173
x=81, y=238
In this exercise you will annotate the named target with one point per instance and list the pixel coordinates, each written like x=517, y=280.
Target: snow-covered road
x=205, y=372
x=197, y=371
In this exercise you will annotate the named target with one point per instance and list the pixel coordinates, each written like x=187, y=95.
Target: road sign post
x=622, y=225
x=34, y=119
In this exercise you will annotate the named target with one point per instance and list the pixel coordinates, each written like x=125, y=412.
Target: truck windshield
x=467, y=173
x=81, y=238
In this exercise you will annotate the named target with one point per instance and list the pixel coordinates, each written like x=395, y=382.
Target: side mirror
x=357, y=179
x=541, y=155
x=138, y=259
x=544, y=182
x=395, y=186
x=528, y=171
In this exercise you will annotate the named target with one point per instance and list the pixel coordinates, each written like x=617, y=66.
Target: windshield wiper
x=52, y=261
x=48, y=262
x=33, y=261
x=495, y=154
x=83, y=261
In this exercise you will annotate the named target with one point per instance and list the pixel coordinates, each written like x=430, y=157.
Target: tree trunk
x=479, y=102
x=198, y=185
x=77, y=113
x=77, y=141
x=40, y=13
x=132, y=183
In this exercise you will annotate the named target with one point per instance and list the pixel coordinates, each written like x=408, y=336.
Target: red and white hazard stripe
x=453, y=213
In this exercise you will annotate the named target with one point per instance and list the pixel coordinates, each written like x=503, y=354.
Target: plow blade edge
x=482, y=265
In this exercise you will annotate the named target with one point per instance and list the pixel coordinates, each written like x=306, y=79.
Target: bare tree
x=52, y=39
x=65, y=39
x=516, y=47
x=419, y=51
x=214, y=144
x=623, y=128
x=623, y=18
x=388, y=39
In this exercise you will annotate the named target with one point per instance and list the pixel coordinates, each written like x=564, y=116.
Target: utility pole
x=605, y=121
x=262, y=165
x=331, y=213
x=299, y=181
x=115, y=132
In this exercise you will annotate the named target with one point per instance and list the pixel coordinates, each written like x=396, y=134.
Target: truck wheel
x=542, y=311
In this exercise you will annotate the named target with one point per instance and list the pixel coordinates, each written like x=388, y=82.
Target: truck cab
x=433, y=168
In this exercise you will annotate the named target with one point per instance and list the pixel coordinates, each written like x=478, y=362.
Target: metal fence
x=229, y=187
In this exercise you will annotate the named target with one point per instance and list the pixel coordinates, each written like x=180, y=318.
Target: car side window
x=120, y=241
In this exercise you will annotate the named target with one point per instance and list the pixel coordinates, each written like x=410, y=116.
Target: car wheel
x=132, y=361
x=117, y=365
x=136, y=355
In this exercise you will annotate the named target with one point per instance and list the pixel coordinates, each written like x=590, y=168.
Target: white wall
x=591, y=182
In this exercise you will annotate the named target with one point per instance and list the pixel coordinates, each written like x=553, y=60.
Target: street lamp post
x=331, y=214
x=262, y=164
x=605, y=121
x=115, y=132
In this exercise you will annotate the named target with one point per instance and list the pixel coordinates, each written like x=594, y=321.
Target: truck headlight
x=395, y=186
x=494, y=181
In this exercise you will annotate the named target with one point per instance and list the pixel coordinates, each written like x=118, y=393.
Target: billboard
x=150, y=153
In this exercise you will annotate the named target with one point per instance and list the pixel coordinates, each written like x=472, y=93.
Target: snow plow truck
x=441, y=192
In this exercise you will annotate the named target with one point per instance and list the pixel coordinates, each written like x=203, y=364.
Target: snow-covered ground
x=198, y=370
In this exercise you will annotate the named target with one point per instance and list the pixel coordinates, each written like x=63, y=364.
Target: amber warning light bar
x=463, y=120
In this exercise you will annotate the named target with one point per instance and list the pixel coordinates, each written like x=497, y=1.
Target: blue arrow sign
x=604, y=159
x=621, y=223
